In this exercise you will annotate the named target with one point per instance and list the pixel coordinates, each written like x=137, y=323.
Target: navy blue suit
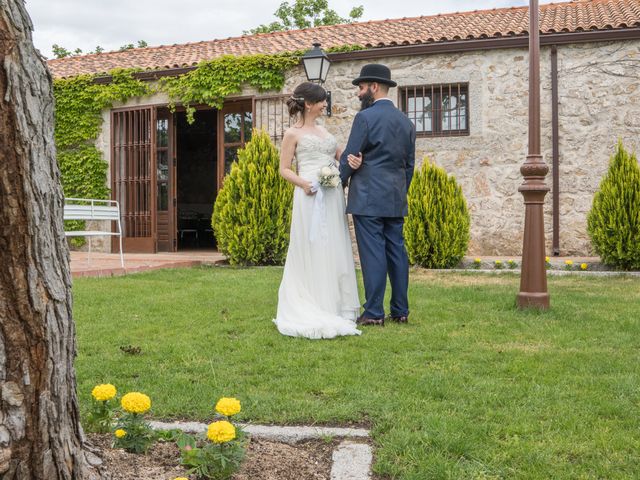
x=378, y=201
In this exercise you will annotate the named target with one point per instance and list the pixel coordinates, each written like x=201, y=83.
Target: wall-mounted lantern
x=316, y=67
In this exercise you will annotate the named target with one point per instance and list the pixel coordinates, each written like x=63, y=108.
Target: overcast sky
x=110, y=24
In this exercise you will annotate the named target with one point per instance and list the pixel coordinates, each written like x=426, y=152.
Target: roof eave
x=516, y=41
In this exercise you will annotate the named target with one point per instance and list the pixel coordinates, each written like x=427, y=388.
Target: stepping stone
x=351, y=461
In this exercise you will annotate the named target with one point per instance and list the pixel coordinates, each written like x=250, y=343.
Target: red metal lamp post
x=533, y=280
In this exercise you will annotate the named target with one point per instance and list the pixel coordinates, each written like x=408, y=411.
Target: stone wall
x=598, y=104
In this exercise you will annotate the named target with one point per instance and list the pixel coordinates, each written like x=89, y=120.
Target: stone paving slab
x=351, y=461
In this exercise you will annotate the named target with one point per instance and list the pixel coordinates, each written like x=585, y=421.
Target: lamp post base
x=539, y=300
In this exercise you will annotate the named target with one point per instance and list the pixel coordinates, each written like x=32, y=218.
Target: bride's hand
x=308, y=189
x=355, y=161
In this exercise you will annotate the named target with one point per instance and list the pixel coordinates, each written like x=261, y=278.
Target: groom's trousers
x=382, y=251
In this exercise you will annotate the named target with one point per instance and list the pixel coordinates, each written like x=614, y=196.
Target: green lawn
x=470, y=389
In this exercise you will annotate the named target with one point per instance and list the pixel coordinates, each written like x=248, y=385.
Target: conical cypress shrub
x=252, y=213
x=614, y=220
x=436, y=231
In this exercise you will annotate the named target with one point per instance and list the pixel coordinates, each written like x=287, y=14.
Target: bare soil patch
x=266, y=460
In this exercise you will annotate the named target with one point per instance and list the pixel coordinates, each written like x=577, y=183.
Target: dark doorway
x=197, y=179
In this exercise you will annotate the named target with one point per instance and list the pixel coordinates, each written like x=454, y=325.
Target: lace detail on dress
x=314, y=152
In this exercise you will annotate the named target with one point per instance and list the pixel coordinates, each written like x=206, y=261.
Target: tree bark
x=40, y=433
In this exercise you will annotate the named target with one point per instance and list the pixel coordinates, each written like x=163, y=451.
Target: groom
x=384, y=140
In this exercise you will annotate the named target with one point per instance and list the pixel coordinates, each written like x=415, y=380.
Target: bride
x=318, y=296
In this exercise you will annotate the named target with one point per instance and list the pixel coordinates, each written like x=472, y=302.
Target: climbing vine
x=79, y=105
x=214, y=80
x=80, y=102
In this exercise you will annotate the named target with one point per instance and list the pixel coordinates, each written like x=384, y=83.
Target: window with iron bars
x=272, y=115
x=437, y=110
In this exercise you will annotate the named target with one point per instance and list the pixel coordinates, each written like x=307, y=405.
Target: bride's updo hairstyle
x=305, y=92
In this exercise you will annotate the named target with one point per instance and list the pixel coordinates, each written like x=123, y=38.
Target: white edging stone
x=497, y=271
x=269, y=432
x=296, y=434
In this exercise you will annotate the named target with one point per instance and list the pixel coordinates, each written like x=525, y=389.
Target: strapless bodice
x=314, y=152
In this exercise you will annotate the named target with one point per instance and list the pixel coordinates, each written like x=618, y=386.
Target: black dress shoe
x=362, y=320
x=399, y=319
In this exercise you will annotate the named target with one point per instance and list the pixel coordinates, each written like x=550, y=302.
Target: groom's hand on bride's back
x=355, y=161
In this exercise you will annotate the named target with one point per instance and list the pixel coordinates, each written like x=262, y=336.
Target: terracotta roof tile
x=571, y=16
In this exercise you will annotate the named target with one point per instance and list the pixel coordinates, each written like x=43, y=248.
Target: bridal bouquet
x=329, y=176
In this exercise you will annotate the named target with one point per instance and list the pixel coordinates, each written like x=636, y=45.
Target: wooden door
x=235, y=123
x=166, y=181
x=133, y=175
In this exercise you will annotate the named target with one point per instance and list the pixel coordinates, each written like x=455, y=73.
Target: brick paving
x=108, y=264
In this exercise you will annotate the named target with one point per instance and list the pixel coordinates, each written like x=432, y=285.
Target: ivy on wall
x=79, y=106
x=214, y=80
x=80, y=103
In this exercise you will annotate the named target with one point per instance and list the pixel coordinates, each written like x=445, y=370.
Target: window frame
x=436, y=89
x=241, y=107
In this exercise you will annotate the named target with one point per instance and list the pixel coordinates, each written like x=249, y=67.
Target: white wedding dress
x=318, y=296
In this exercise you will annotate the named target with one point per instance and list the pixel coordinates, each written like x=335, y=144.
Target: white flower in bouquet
x=329, y=176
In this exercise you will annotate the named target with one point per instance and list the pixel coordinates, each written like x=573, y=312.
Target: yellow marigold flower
x=221, y=432
x=103, y=392
x=228, y=406
x=135, y=402
x=546, y=259
x=120, y=433
x=583, y=266
x=569, y=262
x=498, y=262
x=477, y=260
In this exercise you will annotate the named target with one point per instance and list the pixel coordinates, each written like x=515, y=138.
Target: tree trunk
x=40, y=433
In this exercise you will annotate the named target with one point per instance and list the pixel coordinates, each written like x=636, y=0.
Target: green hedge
x=437, y=228
x=252, y=213
x=614, y=220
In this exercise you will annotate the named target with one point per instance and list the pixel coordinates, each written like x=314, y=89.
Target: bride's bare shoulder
x=291, y=135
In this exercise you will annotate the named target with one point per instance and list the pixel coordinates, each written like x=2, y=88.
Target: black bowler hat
x=375, y=72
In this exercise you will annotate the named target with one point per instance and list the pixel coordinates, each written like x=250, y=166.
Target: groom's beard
x=366, y=100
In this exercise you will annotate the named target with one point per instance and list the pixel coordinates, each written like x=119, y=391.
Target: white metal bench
x=93, y=210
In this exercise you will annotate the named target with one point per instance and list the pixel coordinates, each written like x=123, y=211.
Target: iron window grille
x=272, y=115
x=437, y=110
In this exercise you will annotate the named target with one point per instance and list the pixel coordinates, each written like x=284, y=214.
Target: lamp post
x=533, y=280
x=316, y=67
